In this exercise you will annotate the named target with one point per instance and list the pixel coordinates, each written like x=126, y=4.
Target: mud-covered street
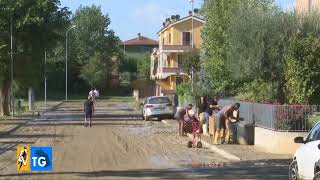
x=120, y=145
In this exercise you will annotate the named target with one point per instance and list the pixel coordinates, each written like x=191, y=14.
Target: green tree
x=93, y=72
x=303, y=70
x=257, y=47
x=36, y=26
x=218, y=14
x=191, y=61
x=144, y=67
x=92, y=35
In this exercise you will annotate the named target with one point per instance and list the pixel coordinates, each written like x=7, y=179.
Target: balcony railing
x=176, y=47
x=172, y=70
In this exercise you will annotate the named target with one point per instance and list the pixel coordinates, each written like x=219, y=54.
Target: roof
x=200, y=19
x=141, y=40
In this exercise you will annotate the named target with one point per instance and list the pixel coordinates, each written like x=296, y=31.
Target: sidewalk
x=235, y=151
x=9, y=124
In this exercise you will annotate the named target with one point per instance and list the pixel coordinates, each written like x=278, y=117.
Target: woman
x=182, y=115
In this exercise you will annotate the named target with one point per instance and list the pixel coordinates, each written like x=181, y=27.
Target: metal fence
x=278, y=117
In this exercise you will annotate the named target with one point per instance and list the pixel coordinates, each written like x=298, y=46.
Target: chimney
x=173, y=18
x=139, y=36
x=168, y=21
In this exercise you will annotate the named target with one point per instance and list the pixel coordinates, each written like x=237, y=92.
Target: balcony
x=172, y=70
x=176, y=47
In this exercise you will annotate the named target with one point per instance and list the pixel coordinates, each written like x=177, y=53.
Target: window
x=169, y=38
x=159, y=100
x=180, y=62
x=179, y=80
x=314, y=134
x=186, y=38
x=162, y=41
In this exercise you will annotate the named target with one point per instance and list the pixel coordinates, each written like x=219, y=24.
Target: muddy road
x=120, y=145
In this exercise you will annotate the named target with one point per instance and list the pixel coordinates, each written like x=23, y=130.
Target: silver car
x=157, y=107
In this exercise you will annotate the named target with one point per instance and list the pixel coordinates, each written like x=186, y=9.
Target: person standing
x=223, y=121
x=211, y=107
x=201, y=110
x=88, y=109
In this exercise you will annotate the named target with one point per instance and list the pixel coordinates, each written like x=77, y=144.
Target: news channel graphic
x=34, y=158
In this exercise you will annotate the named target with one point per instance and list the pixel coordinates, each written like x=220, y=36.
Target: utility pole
x=45, y=77
x=11, y=56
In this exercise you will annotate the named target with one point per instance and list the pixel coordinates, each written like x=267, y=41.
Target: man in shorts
x=88, y=109
x=223, y=122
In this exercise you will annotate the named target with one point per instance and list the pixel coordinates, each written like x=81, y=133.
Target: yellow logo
x=23, y=158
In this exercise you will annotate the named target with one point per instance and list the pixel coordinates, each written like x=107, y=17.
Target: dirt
x=118, y=145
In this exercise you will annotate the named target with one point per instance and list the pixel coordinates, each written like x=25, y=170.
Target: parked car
x=157, y=107
x=306, y=160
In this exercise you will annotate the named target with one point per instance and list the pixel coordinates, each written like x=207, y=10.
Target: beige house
x=305, y=6
x=175, y=38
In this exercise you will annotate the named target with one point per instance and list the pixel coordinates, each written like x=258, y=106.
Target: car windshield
x=159, y=100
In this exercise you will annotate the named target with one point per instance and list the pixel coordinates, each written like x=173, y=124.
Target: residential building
x=305, y=6
x=175, y=38
x=140, y=44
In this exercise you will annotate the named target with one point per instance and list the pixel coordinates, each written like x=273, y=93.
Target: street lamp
x=192, y=16
x=67, y=60
x=11, y=57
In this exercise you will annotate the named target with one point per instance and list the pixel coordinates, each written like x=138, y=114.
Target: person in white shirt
x=96, y=93
x=91, y=94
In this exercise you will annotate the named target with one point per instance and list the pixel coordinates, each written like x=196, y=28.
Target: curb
x=213, y=148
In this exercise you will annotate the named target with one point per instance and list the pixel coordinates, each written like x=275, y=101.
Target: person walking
x=88, y=109
x=96, y=93
x=91, y=94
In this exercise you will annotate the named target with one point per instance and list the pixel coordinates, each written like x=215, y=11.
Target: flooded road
x=120, y=145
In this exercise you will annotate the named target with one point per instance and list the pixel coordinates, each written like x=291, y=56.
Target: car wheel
x=293, y=171
x=317, y=176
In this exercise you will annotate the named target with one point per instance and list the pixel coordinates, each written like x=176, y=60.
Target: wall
x=176, y=33
x=187, y=26
x=303, y=6
x=277, y=142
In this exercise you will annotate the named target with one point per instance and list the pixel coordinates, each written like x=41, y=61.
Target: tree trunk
x=4, y=99
x=31, y=98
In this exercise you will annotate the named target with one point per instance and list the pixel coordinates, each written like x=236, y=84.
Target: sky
x=130, y=17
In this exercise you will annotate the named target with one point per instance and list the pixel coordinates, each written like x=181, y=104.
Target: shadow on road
x=232, y=171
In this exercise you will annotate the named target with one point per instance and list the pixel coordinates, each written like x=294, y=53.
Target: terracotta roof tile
x=141, y=40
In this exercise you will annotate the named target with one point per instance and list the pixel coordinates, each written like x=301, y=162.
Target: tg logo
x=34, y=158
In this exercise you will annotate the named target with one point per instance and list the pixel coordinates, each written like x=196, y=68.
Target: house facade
x=175, y=39
x=305, y=6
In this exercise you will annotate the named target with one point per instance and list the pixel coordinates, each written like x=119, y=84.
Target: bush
x=314, y=119
x=258, y=91
x=303, y=70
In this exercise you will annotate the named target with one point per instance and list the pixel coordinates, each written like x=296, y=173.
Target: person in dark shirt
x=202, y=106
x=211, y=107
x=88, y=109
